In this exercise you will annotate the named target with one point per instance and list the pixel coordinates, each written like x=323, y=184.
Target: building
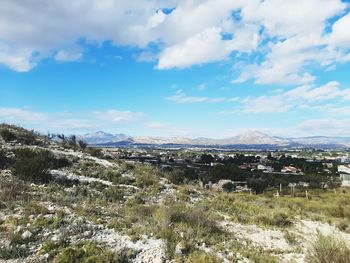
x=345, y=160
x=344, y=171
x=290, y=169
x=264, y=168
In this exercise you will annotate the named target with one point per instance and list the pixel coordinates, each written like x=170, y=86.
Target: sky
x=187, y=68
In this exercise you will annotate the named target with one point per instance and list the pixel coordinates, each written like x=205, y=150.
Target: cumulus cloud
x=288, y=41
x=205, y=47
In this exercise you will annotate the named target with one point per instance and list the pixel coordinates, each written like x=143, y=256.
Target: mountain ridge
x=246, y=138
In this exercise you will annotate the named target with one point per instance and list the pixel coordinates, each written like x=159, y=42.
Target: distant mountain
x=322, y=140
x=101, y=137
x=249, y=139
x=255, y=137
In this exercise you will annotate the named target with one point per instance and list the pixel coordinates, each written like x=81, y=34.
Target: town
x=307, y=168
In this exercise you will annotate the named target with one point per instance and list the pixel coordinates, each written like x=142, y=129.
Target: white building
x=345, y=159
x=264, y=168
x=344, y=171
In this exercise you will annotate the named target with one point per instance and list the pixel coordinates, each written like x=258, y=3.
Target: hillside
x=63, y=202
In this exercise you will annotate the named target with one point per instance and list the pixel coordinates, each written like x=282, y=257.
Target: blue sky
x=176, y=68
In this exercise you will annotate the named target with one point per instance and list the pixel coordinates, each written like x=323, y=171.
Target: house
x=344, y=171
x=345, y=159
x=290, y=169
x=264, y=168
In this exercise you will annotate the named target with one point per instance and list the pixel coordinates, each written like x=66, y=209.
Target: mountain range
x=249, y=139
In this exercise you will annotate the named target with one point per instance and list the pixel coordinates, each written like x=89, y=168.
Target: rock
x=18, y=229
x=55, y=238
x=180, y=248
x=27, y=234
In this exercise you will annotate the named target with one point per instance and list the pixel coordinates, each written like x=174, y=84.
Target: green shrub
x=91, y=253
x=12, y=252
x=113, y=194
x=3, y=159
x=228, y=187
x=33, y=165
x=7, y=135
x=14, y=133
x=280, y=220
x=176, y=176
x=145, y=180
x=10, y=188
x=201, y=257
x=328, y=249
x=35, y=209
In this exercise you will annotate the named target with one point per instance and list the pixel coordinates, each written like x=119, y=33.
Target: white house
x=344, y=171
x=345, y=159
x=264, y=168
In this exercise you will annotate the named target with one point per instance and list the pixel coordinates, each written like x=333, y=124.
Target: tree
x=176, y=176
x=207, y=158
x=82, y=144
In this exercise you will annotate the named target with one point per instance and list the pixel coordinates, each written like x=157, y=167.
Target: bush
x=328, y=249
x=146, y=180
x=3, y=159
x=33, y=165
x=10, y=188
x=200, y=257
x=114, y=194
x=91, y=253
x=12, y=252
x=176, y=176
x=228, y=187
x=82, y=144
x=7, y=135
x=280, y=220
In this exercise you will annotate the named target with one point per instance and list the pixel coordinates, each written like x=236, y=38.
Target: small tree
x=82, y=144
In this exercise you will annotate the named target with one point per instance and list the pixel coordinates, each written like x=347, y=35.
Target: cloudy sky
x=176, y=68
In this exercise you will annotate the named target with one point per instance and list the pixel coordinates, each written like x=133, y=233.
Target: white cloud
x=289, y=38
x=19, y=59
x=290, y=18
x=67, y=55
x=20, y=115
x=205, y=47
x=68, y=121
x=329, y=126
x=116, y=115
x=340, y=35
x=328, y=91
x=265, y=104
x=306, y=97
x=181, y=98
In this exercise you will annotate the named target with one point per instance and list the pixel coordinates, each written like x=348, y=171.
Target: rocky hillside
x=63, y=202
